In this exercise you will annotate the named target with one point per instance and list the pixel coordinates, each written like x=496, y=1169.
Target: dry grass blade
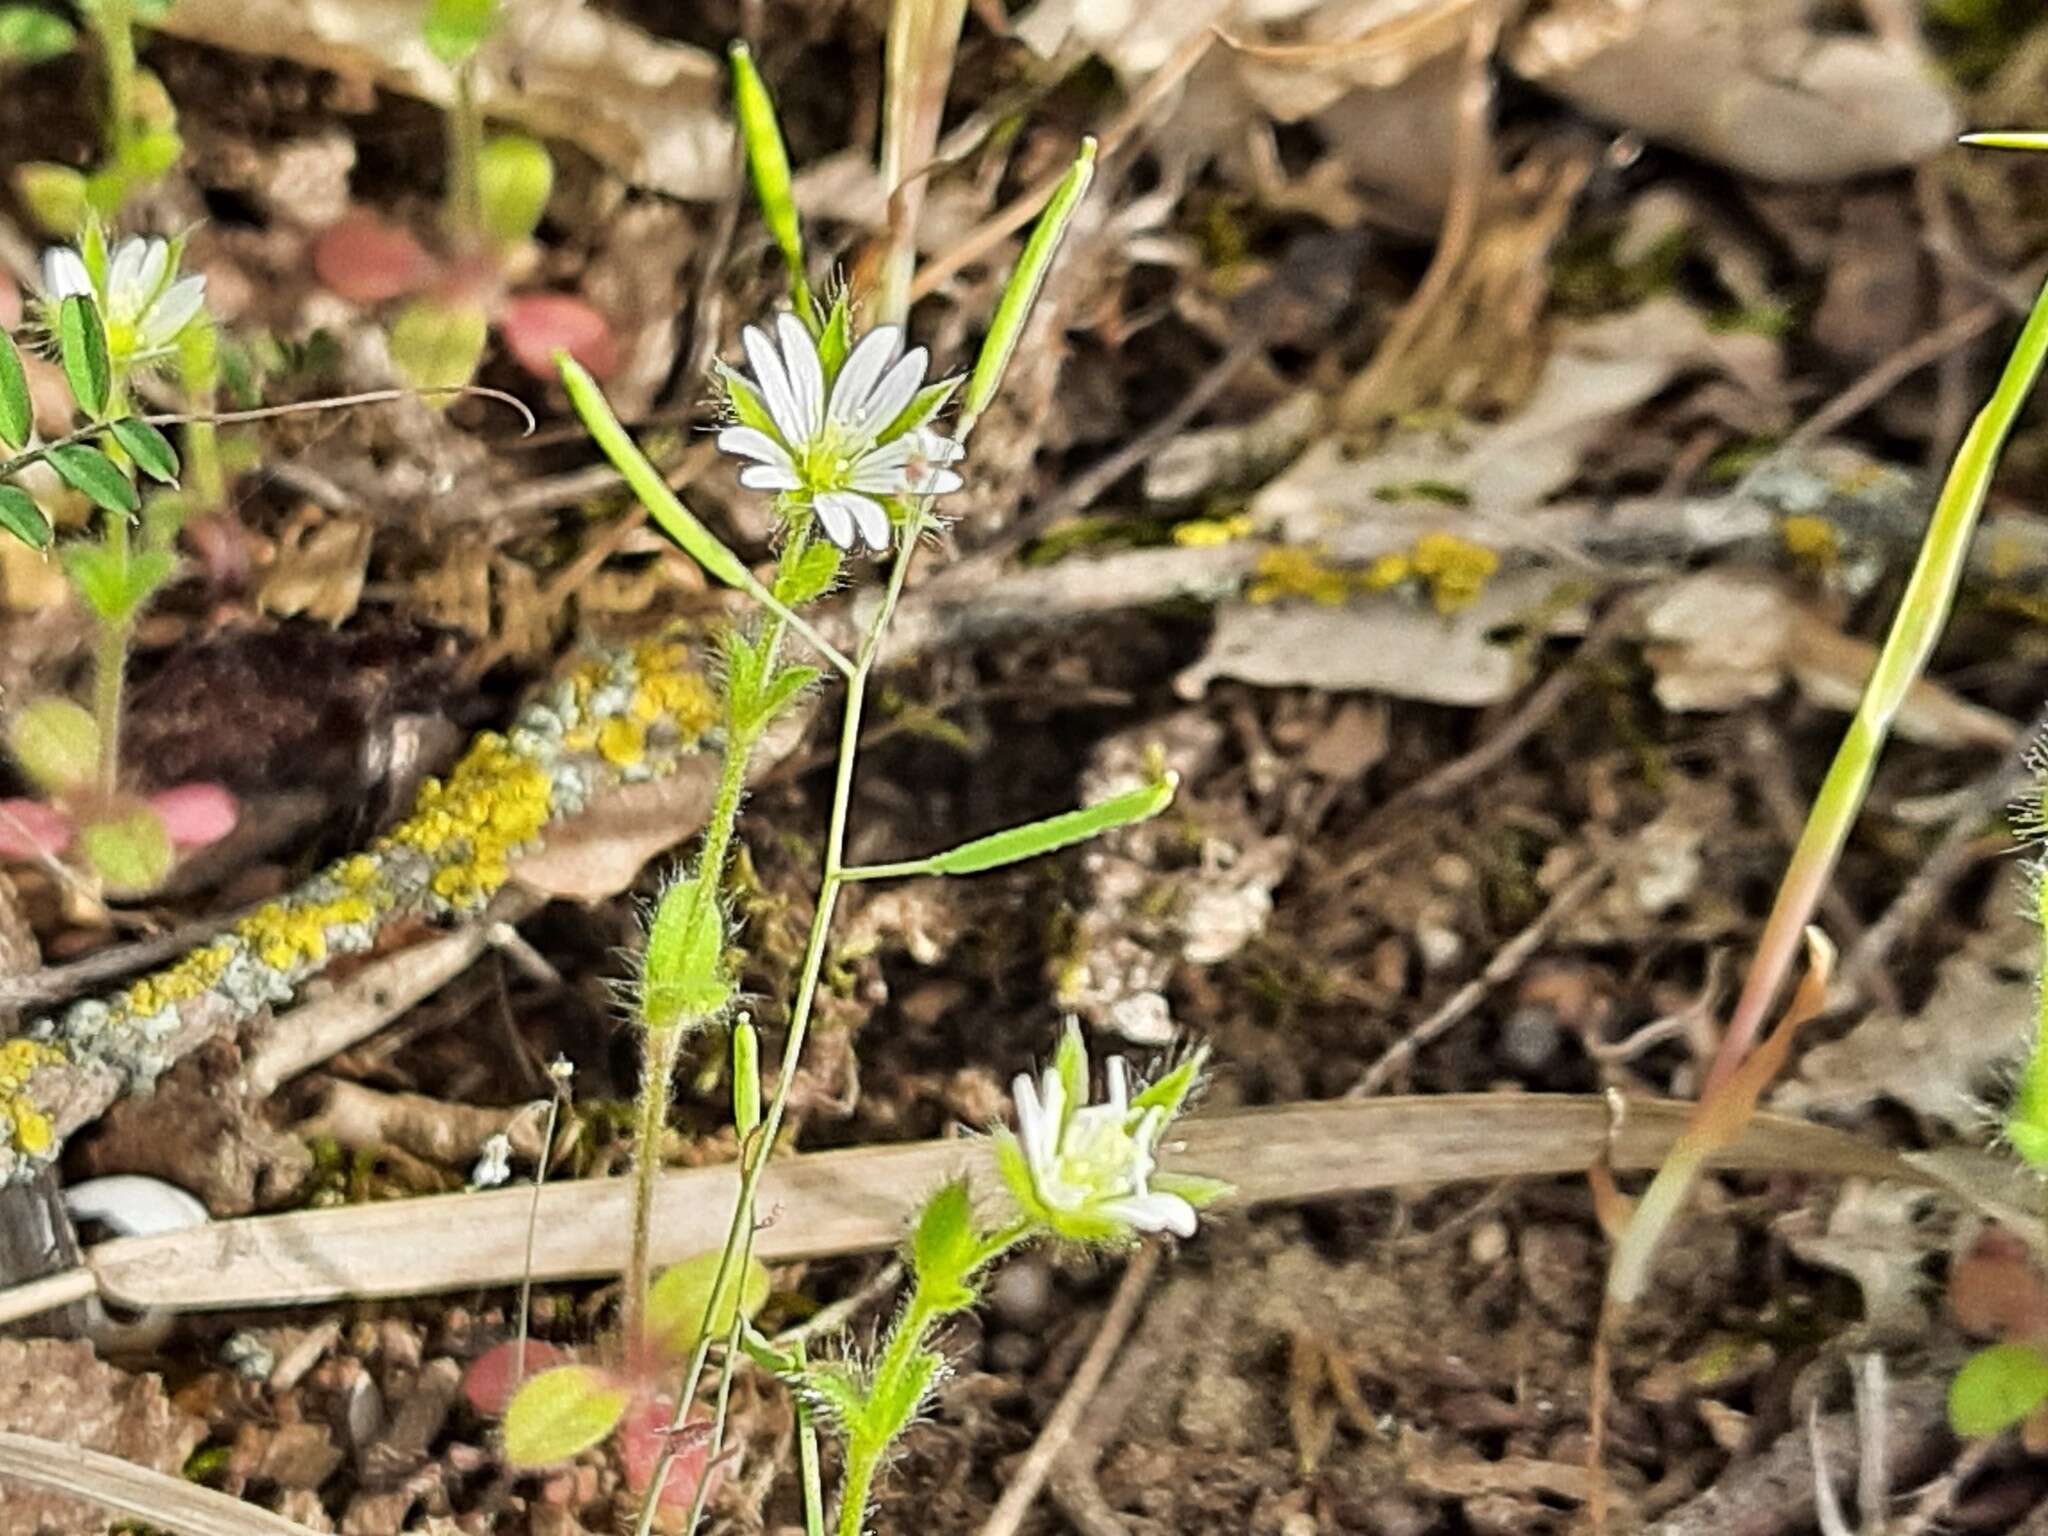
x=862, y=1199
x=167, y=1503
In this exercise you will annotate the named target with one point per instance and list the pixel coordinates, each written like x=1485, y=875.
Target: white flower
x=146, y=306
x=831, y=447
x=1090, y=1171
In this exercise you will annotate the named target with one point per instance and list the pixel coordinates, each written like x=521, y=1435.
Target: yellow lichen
x=1205, y=532
x=1388, y=571
x=622, y=742
x=29, y=1130
x=1811, y=540
x=189, y=978
x=1297, y=573
x=1455, y=569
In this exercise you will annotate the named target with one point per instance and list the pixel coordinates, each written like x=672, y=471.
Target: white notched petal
x=772, y=379
x=1118, y=1072
x=806, y=375
x=835, y=521
x=939, y=448
x=898, y=387
x=64, y=274
x=151, y=271
x=125, y=293
x=872, y=519
x=1153, y=1213
x=178, y=308
x=941, y=482
x=864, y=365
x=753, y=443
x=884, y=471
x=769, y=477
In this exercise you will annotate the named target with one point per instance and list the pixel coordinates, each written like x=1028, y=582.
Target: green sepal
x=82, y=348
x=86, y=470
x=748, y=408
x=17, y=408
x=680, y=1298
x=1070, y=1065
x=835, y=341
x=1171, y=1091
x=559, y=1413
x=1197, y=1189
x=20, y=516
x=924, y=405
x=149, y=448
x=1996, y=1388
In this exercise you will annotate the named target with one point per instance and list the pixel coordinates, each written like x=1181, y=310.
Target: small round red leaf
x=196, y=814
x=489, y=1383
x=368, y=260
x=30, y=829
x=642, y=1434
x=537, y=325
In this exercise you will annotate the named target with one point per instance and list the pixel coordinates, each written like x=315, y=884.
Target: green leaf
x=806, y=578
x=1996, y=1388
x=20, y=516
x=560, y=1412
x=100, y=576
x=82, y=346
x=437, y=345
x=924, y=405
x=149, y=448
x=1013, y=310
x=2017, y=140
x=837, y=1393
x=768, y=165
x=681, y=1296
x=17, y=410
x=56, y=742
x=455, y=29
x=676, y=519
x=131, y=853
x=896, y=1398
x=85, y=469
x=147, y=570
x=1037, y=837
x=945, y=1247
x=148, y=157
x=54, y=196
x=515, y=178
x=780, y=693
x=30, y=35
x=744, y=663
x=684, y=980
x=746, y=1079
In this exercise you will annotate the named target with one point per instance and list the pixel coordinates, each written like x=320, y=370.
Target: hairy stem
x=650, y=1123
x=114, y=23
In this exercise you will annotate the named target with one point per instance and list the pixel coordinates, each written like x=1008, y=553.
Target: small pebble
x=1488, y=1244
x=1530, y=1037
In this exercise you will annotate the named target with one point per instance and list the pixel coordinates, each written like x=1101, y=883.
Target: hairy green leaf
x=85, y=469
x=20, y=516
x=149, y=448
x=56, y=742
x=680, y=1298
x=684, y=980
x=1996, y=1388
x=130, y=852
x=82, y=348
x=17, y=410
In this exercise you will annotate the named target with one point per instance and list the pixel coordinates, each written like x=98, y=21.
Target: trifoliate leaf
x=560, y=1412
x=149, y=448
x=131, y=852
x=681, y=1295
x=86, y=470
x=20, y=516
x=17, y=410
x=29, y=35
x=515, y=178
x=82, y=348
x=1996, y=1388
x=56, y=742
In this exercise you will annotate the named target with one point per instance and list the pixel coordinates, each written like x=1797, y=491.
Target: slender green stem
x=857, y=1483
x=813, y=1479
x=465, y=158
x=114, y=23
x=540, y=1178
x=650, y=1125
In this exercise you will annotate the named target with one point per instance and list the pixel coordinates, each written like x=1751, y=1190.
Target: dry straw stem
x=166, y=1503
x=862, y=1200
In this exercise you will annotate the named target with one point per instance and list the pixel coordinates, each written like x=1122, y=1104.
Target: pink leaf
x=30, y=829
x=196, y=814
x=367, y=260
x=10, y=303
x=536, y=325
x=489, y=1384
x=643, y=1433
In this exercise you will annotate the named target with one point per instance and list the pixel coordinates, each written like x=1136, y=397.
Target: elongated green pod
x=768, y=167
x=1021, y=293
